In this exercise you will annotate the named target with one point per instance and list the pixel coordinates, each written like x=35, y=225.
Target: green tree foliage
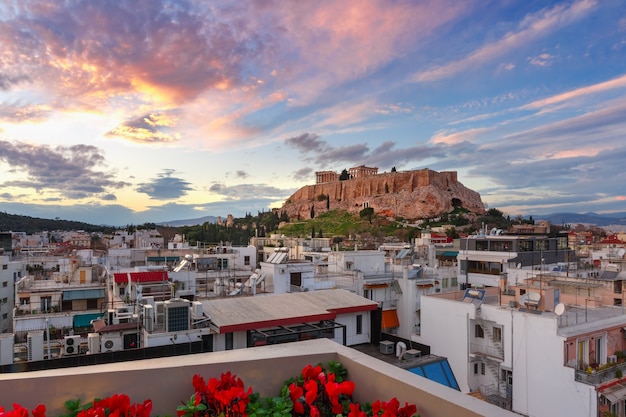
x=31, y=225
x=367, y=213
x=344, y=175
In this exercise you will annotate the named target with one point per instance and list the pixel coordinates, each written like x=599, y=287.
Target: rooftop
x=168, y=381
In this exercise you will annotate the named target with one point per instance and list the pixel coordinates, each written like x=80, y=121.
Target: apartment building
x=487, y=259
x=10, y=273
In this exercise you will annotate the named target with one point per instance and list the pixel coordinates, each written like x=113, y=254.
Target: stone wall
x=408, y=194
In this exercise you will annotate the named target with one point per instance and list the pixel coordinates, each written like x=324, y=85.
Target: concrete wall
x=542, y=385
x=167, y=381
x=445, y=329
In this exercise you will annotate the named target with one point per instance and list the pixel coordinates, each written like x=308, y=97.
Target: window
x=24, y=301
x=475, y=369
x=444, y=283
x=359, y=324
x=478, y=331
x=497, y=334
x=525, y=245
x=5, y=316
x=482, y=368
x=229, y=341
x=522, y=291
x=454, y=282
x=246, y=260
x=5, y=300
x=45, y=304
x=349, y=266
x=5, y=283
x=5, y=266
x=541, y=245
x=295, y=279
x=501, y=246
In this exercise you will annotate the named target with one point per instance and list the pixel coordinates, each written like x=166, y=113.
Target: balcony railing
x=489, y=350
x=167, y=381
x=595, y=377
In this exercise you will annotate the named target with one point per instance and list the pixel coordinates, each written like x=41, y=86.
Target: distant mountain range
x=584, y=218
x=190, y=222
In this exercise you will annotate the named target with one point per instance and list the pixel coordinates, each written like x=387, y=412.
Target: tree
x=328, y=202
x=319, y=234
x=393, y=169
x=312, y=211
x=367, y=213
x=344, y=175
x=313, y=232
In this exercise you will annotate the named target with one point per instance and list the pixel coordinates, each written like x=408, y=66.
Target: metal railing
x=597, y=377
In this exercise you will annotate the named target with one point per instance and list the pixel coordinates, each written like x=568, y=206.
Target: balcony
x=600, y=377
x=167, y=381
x=489, y=351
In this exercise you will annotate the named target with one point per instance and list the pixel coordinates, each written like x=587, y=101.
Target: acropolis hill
x=411, y=195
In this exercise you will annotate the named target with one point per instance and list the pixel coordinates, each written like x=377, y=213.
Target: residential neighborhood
x=515, y=317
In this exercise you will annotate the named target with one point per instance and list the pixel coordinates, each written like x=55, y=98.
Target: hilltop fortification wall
x=408, y=194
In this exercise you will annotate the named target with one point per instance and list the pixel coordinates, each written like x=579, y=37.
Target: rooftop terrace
x=167, y=381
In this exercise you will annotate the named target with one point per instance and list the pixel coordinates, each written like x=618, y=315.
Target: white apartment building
x=519, y=357
x=10, y=273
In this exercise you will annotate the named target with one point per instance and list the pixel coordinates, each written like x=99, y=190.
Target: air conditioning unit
x=386, y=347
x=34, y=343
x=177, y=316
x=159, y=315
x=148, y=300
x=71, y=345
x=93, y=343
x=111, y=343
x=198, y=310
x=148, y=318
x=412, y=354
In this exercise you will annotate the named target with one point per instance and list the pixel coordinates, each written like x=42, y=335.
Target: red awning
x=149, y=276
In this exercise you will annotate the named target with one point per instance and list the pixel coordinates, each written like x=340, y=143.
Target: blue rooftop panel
x=437, y=371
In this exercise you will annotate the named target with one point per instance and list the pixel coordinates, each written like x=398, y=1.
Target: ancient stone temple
x=414, y=194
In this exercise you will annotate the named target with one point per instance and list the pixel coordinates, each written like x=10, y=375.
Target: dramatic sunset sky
x=131, y=111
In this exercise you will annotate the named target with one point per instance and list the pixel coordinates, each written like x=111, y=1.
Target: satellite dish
x=523, y=299
x=559, y=309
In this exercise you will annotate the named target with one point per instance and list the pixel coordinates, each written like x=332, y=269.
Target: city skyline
x=151, y=111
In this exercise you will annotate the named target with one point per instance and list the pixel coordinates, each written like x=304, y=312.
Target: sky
x=134, y=111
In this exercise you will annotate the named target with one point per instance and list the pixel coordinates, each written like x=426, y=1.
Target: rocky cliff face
x=411, y=195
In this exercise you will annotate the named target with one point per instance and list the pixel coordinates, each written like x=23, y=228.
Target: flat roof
x=241, y=313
